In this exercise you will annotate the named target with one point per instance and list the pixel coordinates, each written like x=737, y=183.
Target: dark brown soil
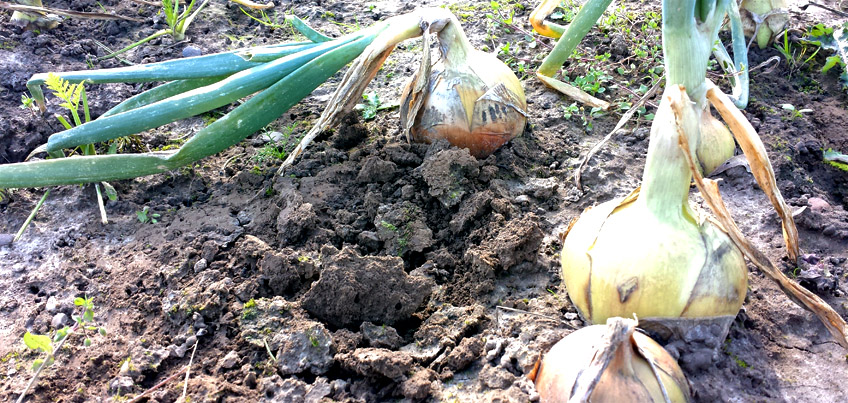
x=372, y=268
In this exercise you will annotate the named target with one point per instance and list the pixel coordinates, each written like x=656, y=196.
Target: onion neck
x=454, y=45
x=666, y=179
x=688, y=30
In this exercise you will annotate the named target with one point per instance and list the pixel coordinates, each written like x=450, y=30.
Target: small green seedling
x=145, y=216
x=27, y=102
x=84, y=325
x=372, y=103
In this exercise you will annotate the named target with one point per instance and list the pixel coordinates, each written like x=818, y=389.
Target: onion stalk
x=690, y=30
x=610, y=363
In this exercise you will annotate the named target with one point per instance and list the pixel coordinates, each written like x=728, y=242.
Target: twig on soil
x=31, y=216
x=158, y=385
x=66, y=13
x=837, y=12
x=621, y=122
x=268, y=348
x=188, y=372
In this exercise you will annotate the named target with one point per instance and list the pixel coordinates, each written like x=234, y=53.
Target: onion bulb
x=771, y=16
x=470, y=98
x=716, y=144
x=610, y=363
x=650, y=254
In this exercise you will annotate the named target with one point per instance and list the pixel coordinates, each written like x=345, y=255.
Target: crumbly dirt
x=372, y=269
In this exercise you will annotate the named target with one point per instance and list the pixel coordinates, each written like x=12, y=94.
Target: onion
x=610, y=363
x=470, y=98
x=716, y=144
x=771, y=16
x=649, y=253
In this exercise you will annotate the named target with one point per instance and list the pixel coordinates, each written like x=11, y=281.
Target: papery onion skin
x=474, y=101
x=628, y=378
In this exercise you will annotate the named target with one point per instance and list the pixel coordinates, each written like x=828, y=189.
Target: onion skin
x=473, y=100
x=627, y=378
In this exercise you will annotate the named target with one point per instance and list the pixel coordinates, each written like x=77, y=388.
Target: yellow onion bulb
x=650, y=254
x=610, y=363
x=716, y=144
x=775, y=16
x=472, y=100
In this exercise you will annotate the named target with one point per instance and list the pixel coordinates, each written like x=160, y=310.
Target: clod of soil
x=353, y=289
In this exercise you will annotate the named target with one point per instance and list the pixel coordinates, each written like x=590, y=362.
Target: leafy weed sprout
x=145, y=216
x=279, y=148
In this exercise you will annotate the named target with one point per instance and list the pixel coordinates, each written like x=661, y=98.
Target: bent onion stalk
x=609, y=363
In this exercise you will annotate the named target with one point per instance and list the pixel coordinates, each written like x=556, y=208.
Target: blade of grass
x=31, y=216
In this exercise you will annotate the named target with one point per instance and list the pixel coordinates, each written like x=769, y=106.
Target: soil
x=361, y=273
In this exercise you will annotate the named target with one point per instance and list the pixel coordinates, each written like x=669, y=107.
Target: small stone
x=191, y=51
x=230, y=360
x=818, y=204
x=121, y=385
x=267, y=137
x=59, y=320
x=52, y=304
x=570, y=316
x=199, y=323
x=201, y=265
x=522, y=199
